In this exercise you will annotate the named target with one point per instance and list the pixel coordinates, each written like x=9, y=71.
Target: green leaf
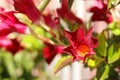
x=105, y=73
x=101, y=49
x=27, y=58
x=115, y=27
x=113, y=53
x=64, y=61
x=110, y=3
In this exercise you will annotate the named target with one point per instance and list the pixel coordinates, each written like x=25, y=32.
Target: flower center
x=82, y=50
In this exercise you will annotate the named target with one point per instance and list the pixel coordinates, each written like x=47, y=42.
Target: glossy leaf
x=113, y=53
x=64, y=61
x=101, y=49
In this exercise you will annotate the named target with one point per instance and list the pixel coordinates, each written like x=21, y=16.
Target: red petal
x=12, y=45
x=49, y=21
x=91, y=41
x=50, y=51
x=5, y=29
x=65, y=4
x=80, y=36
x=28, y=7
x=69, y=50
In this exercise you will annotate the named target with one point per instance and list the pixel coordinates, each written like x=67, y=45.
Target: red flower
x=50, y=51
x=100, y=12
x=51, y=22
x=81, y=45
x=9, y=23
x=12, y=45
x=65, y=12
x=27, y=7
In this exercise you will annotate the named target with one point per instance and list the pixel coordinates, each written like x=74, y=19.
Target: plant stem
x=47, y=28
x=43, y=5
x=44, y=39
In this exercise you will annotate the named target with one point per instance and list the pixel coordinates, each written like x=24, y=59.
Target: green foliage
x=113, y=53
x=91, y=63
x=101, y=49
x=111, y=3
x=7, y=62
x=31, y=43
x=102, y=72
x=115, y=27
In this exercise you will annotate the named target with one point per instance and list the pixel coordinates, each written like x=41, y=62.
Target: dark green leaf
x=105, y=73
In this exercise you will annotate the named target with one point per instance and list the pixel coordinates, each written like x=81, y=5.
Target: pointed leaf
x=64, y=61
x=105, y=73
x=113, y=53
x=101, y=49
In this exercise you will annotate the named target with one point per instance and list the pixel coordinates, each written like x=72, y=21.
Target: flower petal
x=80, y=36
x=66, y=13
x=28, y=7
x=91, y=41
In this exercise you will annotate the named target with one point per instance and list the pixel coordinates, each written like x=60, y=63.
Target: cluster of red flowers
x=82, y=43
x=9, y=23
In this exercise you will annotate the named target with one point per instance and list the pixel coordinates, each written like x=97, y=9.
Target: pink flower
x=9, y=23
x=27, y=7
x=66, y=13
x=100, y=12
x=12, y=45
x=50, y=51
x=81, y=44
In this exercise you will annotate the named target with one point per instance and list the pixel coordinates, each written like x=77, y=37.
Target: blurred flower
x=66, y=13
x=9, y=23
x=12, y=45
x=100, y=12
x=51, y=22
x=50, y=51
x=28, y=7
x=81, y=45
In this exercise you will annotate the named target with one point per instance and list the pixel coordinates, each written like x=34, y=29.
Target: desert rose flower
x=81, y=44
x=66, y=13
x=100, y=12
x=27, y=7
x=9, y=23
x=50, y=51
